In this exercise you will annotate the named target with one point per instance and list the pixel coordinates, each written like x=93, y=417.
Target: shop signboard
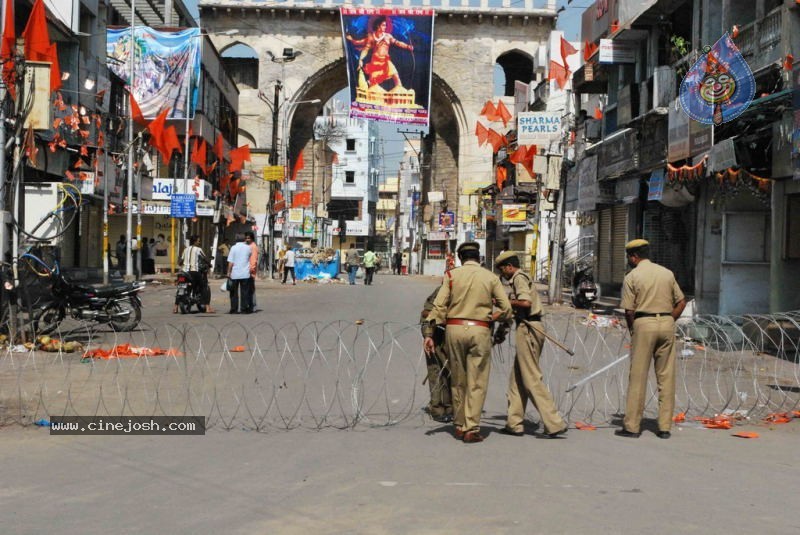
x=612, y=51
x=655, y=189
x=183, y=205
x=618, y=154
x=587, y=184
x=515, y=214
x=597, y=18
x=538, y=127
x=699, y=138
x=447, y=220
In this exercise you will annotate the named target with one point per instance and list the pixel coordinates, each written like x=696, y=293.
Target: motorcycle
x=192, y=292
x=117, y=305
x=584, y=290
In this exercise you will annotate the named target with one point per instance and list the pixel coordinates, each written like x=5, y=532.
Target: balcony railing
x=758, y=41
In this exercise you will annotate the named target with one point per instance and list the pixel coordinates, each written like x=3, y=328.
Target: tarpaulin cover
x=304, y=268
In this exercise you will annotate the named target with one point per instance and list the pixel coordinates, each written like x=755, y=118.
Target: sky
x=568, y=21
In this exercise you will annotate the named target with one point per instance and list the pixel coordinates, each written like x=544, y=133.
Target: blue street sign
x=183, y=205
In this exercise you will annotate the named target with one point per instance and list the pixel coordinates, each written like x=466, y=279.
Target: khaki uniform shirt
x=650, y=288
x=467, y=293
x=522, y=290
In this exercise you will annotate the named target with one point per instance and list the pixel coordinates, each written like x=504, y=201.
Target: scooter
x=584, y=290
x=192, y=291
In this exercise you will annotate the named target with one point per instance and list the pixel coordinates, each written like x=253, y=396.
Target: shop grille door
x=604, y=247
x=619, y=237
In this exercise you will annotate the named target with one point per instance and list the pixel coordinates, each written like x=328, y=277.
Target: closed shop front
x=611, y=239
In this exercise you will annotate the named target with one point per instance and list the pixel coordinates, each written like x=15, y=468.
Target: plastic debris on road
x=128, y=351
x=584, y=426
x=746, y=434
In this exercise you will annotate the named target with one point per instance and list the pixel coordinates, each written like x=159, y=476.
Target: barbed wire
x=342, y=375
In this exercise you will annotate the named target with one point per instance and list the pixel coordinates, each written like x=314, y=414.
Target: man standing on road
x=369, y=265
x=288, y=265
x=440, y=408
x=652, y=301
x=397, y=262
x=464, y=304
x=250, y=240
x=526, y=376
x=239, y=276
x=352, y=261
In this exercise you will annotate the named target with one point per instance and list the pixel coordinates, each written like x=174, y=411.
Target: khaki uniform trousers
x=470, y=350
x=653, y=338
x=526, y=382
x=439, y=382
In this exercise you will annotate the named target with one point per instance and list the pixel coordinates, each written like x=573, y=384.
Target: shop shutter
x=604, y=247
x=619, y=237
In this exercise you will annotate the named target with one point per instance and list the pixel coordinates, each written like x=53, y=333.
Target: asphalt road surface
x=409, y=478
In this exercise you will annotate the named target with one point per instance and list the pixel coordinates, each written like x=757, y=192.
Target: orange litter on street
x=778, y=418
x=584, y=426
x=680, y=417
x=128, y=351
x=237, y=349
x=717, y=422
x=746, y=434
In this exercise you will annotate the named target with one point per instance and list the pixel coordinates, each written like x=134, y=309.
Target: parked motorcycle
x=192, y=292
x=584, y=290
x=117, y=305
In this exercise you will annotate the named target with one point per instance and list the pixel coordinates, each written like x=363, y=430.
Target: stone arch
x=241, y=62
x=517, y=65
x=246, y=137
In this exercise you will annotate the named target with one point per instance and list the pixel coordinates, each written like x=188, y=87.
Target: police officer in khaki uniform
x=652, y=301
x=464, y=304
x=526, y=376
x=440, y=408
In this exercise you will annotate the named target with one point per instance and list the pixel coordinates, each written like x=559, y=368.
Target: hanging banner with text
x=538, y=127
x=388, y=53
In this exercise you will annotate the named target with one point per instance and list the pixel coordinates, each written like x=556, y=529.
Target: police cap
x=635, y=244
x=503, y=258
x=468, y=246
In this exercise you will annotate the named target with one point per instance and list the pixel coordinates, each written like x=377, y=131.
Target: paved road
x=409, y=478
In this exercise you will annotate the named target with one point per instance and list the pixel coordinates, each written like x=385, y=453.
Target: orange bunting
x=496, y=140
x=585, y=427
x=482, y=132
x=746, y=434
x=489, y=111
x=502, y=113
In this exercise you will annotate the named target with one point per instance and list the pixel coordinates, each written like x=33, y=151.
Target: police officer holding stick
x=526, y=376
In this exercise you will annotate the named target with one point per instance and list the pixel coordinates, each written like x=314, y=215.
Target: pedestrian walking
x=404, y=263
x=239, y=276
x=526, y=375
x=222, y=253
x=397, y=262
x=440, y=406
x=122, y=251
x=352, y=260
x=288, y=265
x=281, y=262
x=370, y=262
x=464, y=304
x=652, y=301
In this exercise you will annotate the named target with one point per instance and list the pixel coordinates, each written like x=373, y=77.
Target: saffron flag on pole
x=156, y=128
x=199, y=154
x=482, y=133
x=37, y=43
x=298, y=165
x=566, y=50
x=238, y=157
x=502, y=112
x=301, y=199
x=719, y=86
x=559, y=73
x=7, y=49
x=136, y=112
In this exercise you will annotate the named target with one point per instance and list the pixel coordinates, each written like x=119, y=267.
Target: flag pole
x=188, y=90
x=129, y=212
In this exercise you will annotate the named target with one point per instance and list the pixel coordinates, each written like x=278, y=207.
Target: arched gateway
x=470, y=38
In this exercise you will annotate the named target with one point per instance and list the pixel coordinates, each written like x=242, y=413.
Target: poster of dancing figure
x=389, y=55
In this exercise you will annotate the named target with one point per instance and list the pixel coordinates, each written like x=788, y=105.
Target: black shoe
x=625, y=433
x=664, y=434
x=233, y=312
x=556, y=434
x=511, y=432
x=443, y=418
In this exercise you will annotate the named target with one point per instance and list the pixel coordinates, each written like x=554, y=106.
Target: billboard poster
x=389, y=56
x=162, y=61
x=447, y=220
x=515, y=214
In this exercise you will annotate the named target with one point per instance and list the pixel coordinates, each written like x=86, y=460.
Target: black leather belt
x=652, y=314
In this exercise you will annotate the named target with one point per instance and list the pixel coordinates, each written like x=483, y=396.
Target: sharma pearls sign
x=537, y=127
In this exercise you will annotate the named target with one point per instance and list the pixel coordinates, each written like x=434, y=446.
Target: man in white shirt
x=288, y=265
x=239, y=276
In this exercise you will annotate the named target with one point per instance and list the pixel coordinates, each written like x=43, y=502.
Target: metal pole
x=556, y=263
x=105, y=218
x=273, y=160
x=188, y=90
x=139, y=220
x=129, y=214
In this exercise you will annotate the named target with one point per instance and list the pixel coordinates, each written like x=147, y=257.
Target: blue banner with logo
x=719, y=86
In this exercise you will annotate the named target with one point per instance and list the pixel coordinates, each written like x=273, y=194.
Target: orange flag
x=495, y=140
x=489, y=111
x=588, y=50
x=171, y=140
x=503, y=113
x=7, y=49
x=298, y=165
x=199, y=154
x=156, y=128
x=518, y=156
x=482, y=133
x=238, y=157
x=37, y=43
x=218, y=147
x=502, y=176
x=598, y=113
x=530, y=156
x=559, y=73
x=301, y=199
x=566, y=50
x=136, y=112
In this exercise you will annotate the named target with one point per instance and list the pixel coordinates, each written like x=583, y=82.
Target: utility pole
x=129, y=215
x=557, y=261
x=273, y=160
